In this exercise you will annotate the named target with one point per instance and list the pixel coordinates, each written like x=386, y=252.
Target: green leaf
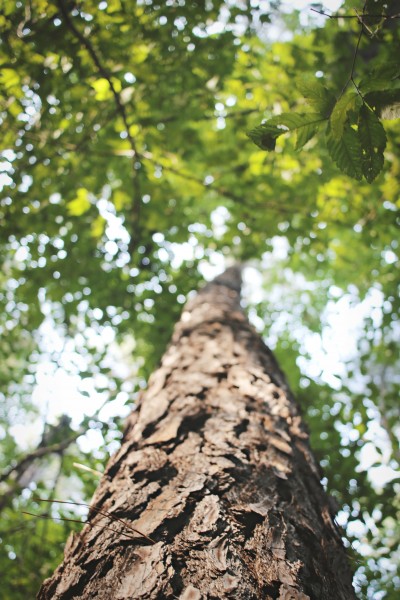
x=265, y=135
x=380, y=84
x=316, y=94
x=346, y=152
x=141, y=53
x=340, y=113
x=79, y=205
x=103, y=89
x=373, y=141
x=384, y=76
x=9, y=78
x=305, y=126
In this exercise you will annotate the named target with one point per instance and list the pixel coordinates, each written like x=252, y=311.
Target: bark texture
x=216, y=473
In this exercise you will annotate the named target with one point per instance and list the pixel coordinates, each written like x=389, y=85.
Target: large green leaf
x=346, y=152
x=373, y=141
x=79, y=205
x=317, y=95
x=347, y=103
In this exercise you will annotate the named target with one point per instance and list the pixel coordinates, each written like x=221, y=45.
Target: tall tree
x=124, y=163
x=214, y=492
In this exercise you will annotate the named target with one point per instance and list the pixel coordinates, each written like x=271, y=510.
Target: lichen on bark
x=216, y=476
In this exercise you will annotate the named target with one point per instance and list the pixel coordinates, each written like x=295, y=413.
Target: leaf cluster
x=347, y=119
x=352, y=127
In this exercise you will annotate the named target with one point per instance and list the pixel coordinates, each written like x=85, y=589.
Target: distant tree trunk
x=216, y=473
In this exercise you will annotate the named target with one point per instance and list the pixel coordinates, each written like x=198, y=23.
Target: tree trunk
x=214, y=492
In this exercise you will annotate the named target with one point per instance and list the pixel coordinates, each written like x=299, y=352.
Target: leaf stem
x=355, y=54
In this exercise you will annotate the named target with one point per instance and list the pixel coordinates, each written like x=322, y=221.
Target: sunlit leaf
x=79, y=205
x=97, y=227
x=103, y=89
x=9, y=78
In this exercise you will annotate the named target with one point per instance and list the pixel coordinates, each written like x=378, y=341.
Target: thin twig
x=355, y=54
x=41, y=451
x=27, y=18
x=22, y=464
x=46, y=516
x=99, y=512
x=86, y=468
x=52, y=494
x=380, y=16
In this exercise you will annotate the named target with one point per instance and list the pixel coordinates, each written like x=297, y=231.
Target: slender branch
x=219, y=190
x=378, y=16
x=69, y=520
x=53, y=494
x=123, y=114
x=24, y=463
x=97, y=511
x=21, y=467
x=27, y=18
x=355, y=54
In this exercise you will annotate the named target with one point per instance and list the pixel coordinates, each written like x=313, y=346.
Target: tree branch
x=355, y=54
x=380, y=16
x=103, y=71
x=20, y=467
x=24, y=463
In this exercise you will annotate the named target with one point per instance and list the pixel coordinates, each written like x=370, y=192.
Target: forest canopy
x=146, y=145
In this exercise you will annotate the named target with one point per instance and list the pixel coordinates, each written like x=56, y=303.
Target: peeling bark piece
x=204, y=517
x=215, y=476
x=280, y=444
x=167, y=431
x=144, y=575
x=286, y=592
x=190, y=593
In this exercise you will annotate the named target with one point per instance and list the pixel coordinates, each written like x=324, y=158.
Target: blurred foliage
x=125, y=167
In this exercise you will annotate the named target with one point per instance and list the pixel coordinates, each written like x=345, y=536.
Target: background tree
x=125, y=165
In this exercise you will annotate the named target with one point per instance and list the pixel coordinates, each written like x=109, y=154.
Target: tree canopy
x=142, y=140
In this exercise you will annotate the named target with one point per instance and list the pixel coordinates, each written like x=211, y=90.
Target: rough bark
x=216, y=473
